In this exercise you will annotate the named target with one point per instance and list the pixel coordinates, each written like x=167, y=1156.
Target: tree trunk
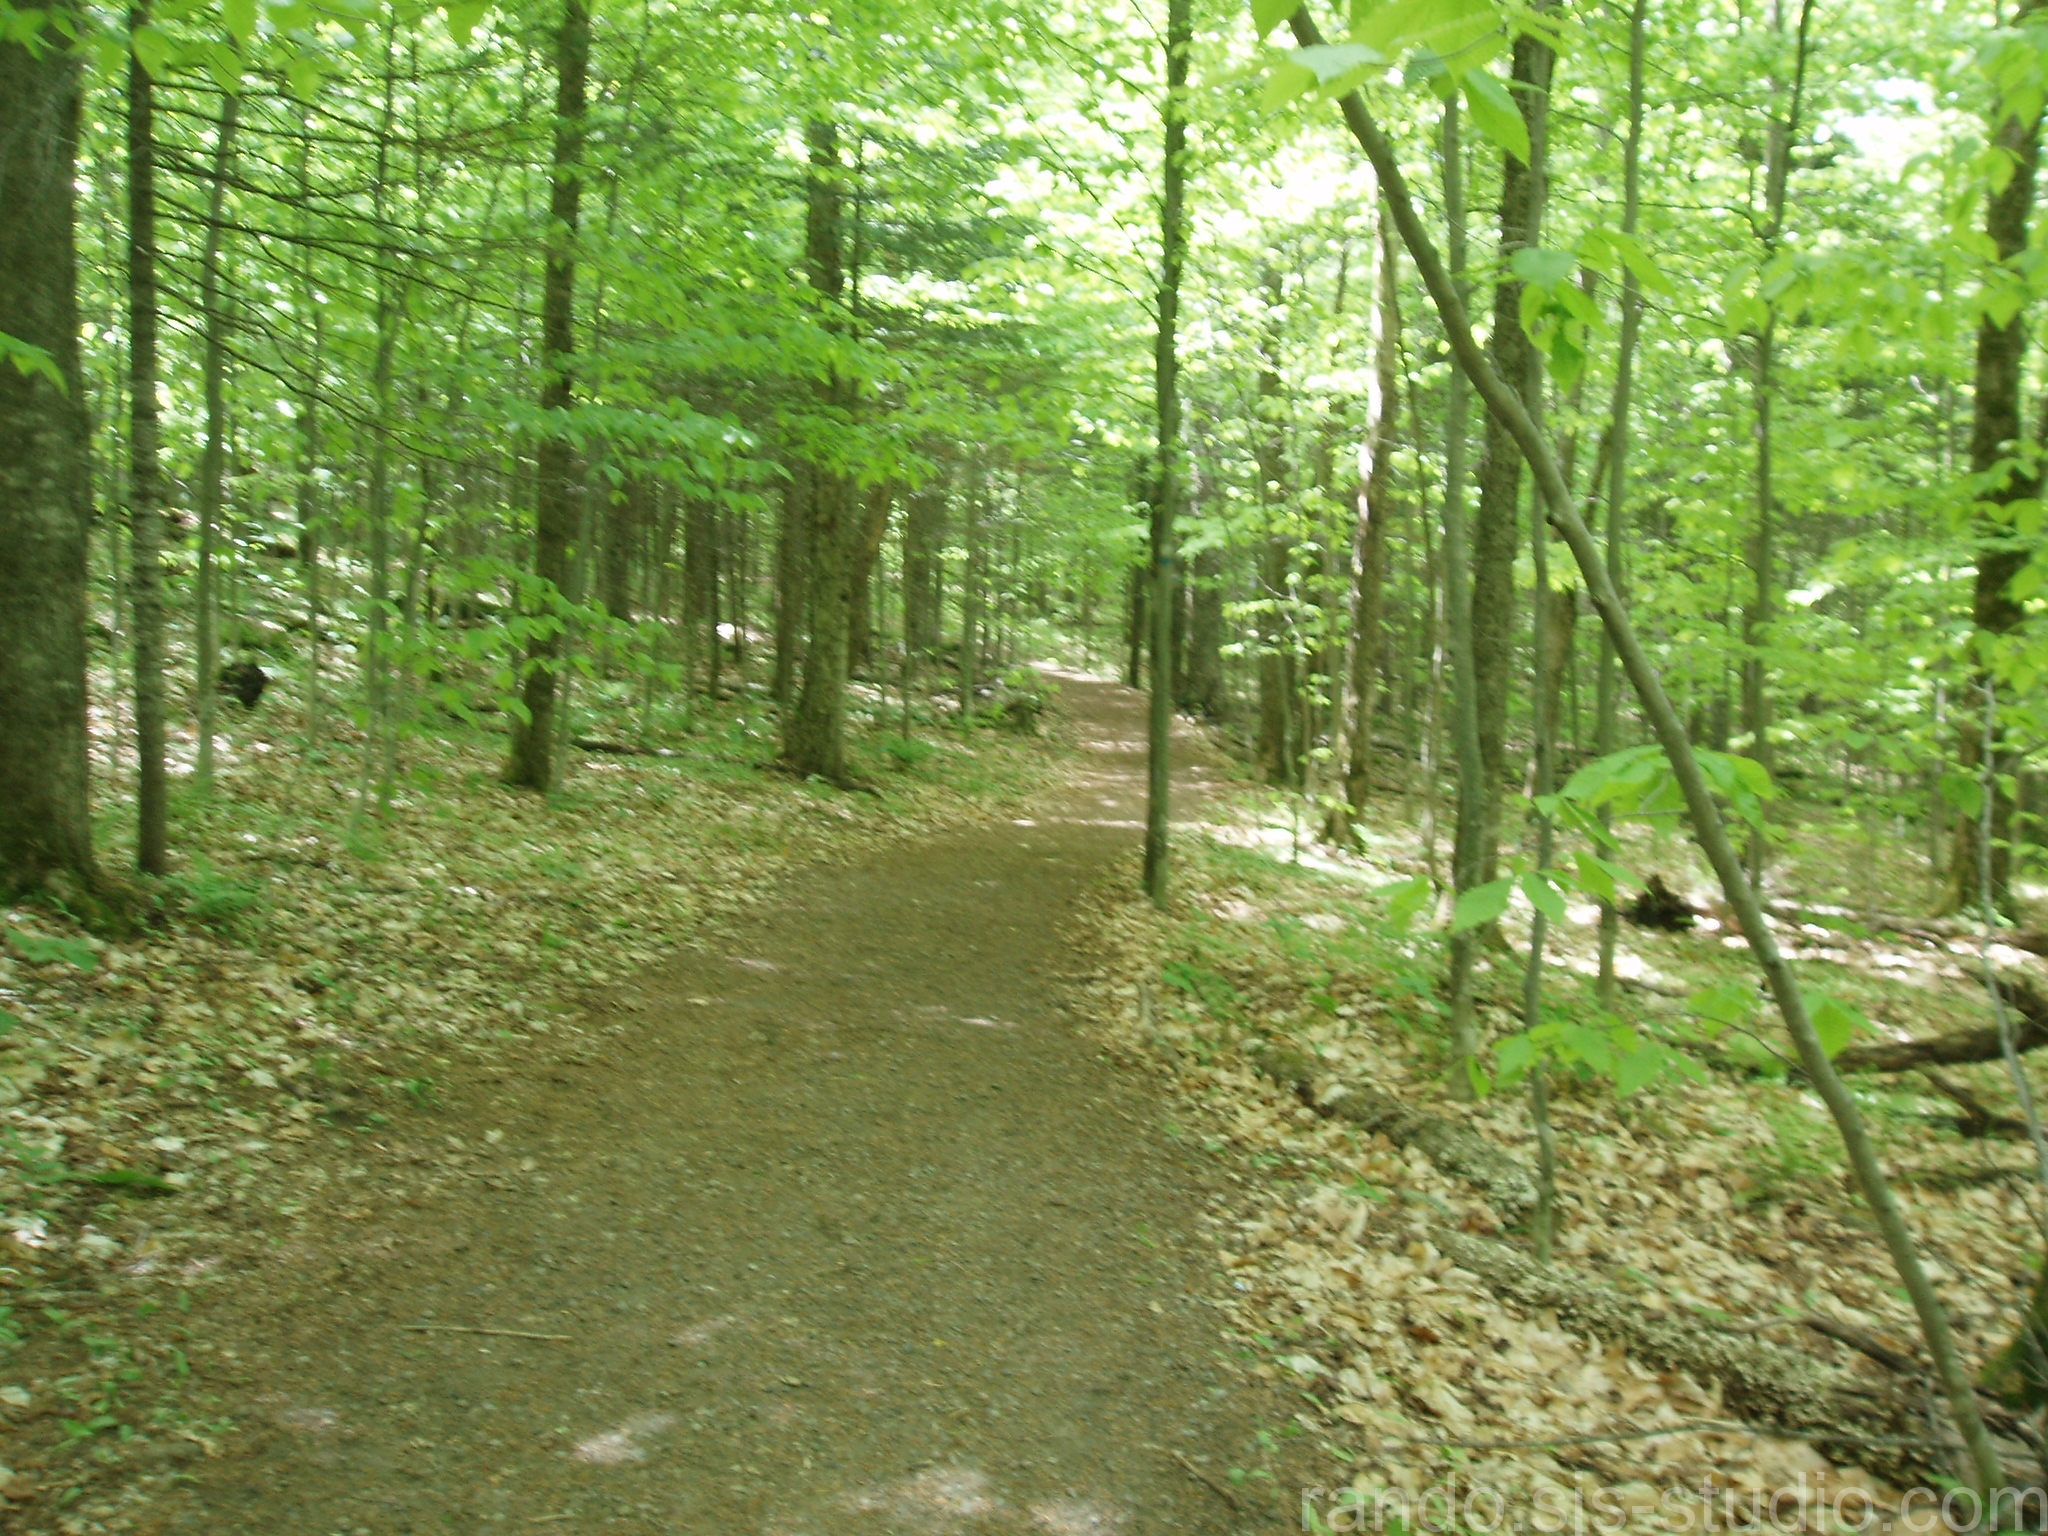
x=145, y=471
x=1167, y=474
x=1994, y=445
x=972, y=619
x=1607, y=722
x=924, y=535
x=1202, y=684
x=700, y=593
x=874, y=527
x=624, y=522
x=1494, y=540
x=791, y=588
x=45, y=519
x=1135, y=628
x=1505, y=403
x=1376, y=510
x=213, y=458
x=814, y=740
x=533, y=734
x=1757, y=613
x=1279, y=760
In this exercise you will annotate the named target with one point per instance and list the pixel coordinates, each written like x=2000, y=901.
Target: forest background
x=609, y=376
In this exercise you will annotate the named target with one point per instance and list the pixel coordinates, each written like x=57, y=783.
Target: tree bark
x=145, y=471
x=45, y=520
x=1279, y=758
x=1202, y=685
x=1994, y=460
x=1376, y=511
x=814, y=740
x=1757, y=614
x=874, y=528
x=1607, y=717
x=1168, y=473
x=924, y=536
x=213, y=457
x=533, y=763
x=791, y=589
x=1494, y=540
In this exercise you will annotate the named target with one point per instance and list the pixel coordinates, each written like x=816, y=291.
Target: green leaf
x=1732, y=1002
x=1639, y=1068
x=153, y=48
x=1495, y=113
x=1266, y=15
x=1514, y=1056
x=1333, y=61
x=32, y=360
x=239, y=17
x=1545, y=268
x=464, y=15
x=37, y=950
x=1596, y=876
x=1481, y=904
x=1289, y=81
x=1543, y=896
x=1834, y=1021
x=1405, y=898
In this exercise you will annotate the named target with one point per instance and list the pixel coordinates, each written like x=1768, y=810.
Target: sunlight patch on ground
x=937, y=1498
x=618, y=1447
x=1077, y=1517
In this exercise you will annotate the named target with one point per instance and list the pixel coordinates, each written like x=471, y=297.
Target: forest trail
x=847, y=1230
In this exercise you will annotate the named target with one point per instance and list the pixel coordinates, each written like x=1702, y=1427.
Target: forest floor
x=705, y=1152
x=831, y=1221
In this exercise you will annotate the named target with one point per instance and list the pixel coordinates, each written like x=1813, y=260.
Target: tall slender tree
x=145, y=468
x=1168, y=473
x=45, y=513
x=533, y=764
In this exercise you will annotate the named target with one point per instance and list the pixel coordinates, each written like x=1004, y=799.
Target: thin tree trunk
x=145, y=471
x=533, y=764
x=1607, y=726
x=213, y=459
x=1202, y=688
x=1279, y=761
x=924, y=532
x=1757, y=613
x=1376, y=510
x=1457, y=558
x=1494, y=540
x=45, y=516
x=1167, y=474
x=1994, y=446
x=1504, y=401
x=790, y=585
x=815, y=738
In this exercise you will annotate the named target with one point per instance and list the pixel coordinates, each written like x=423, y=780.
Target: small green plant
x=38, y=949
x=209, y=897
x=1793, y=1162
x=420, y=1090
x=907, y=751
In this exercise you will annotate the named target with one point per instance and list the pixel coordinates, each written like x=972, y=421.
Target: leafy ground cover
x=172, y=1104
x=1712, y=1195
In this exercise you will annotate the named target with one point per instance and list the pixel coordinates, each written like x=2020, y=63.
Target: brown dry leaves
x=1724, y=1201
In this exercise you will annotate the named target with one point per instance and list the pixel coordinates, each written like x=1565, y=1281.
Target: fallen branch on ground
x=1961, y=1048
x=1457, y=1151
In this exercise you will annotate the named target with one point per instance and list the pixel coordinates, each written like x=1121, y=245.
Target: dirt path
x=848, y=1232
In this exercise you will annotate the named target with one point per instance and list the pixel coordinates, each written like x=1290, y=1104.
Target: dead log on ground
x=2029, y=1032
x=1457, y=1151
